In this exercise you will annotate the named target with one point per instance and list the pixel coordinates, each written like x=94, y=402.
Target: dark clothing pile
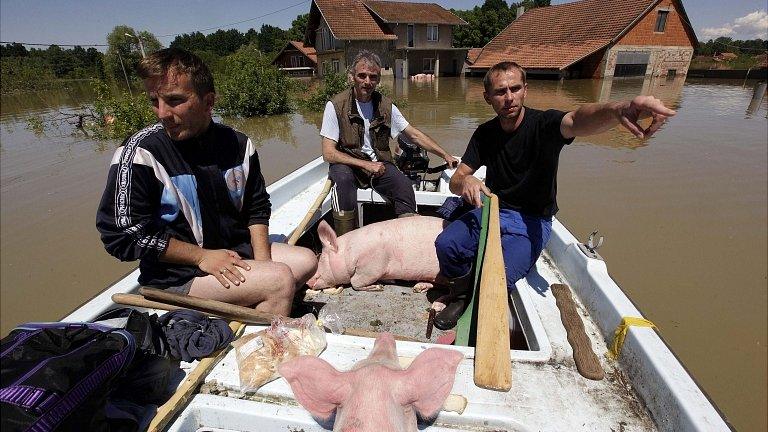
x=522, y=165
x=191, y=335
x=206, y=190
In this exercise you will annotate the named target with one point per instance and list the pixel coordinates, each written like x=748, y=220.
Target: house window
x=661, y=21
x=336, y=66
x=432, y=33
x=326, y=39
x=671, y=73
x=410, y=35
x=325, y=68
x=429, y=65
x=297, y=61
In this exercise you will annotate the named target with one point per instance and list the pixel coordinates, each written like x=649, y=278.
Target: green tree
x=225, y=42
x=487, y=21
x=298, y=29
x=332, y=84
x=195, y=41
x=13, y=50
x=126, y=48
x=252, y=86
x=271, y=39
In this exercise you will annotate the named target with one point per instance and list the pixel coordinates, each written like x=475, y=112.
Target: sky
x=87, y=22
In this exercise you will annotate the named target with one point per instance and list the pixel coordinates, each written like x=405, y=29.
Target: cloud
x=751, y=26
x=715, y=32
x=755, y=23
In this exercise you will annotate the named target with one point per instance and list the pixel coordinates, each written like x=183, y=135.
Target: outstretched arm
x=594, y=118
x=427, y=143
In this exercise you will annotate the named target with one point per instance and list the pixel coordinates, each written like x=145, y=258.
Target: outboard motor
x=413, y=161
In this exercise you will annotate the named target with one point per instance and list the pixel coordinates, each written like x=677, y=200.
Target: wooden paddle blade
x=493, y=368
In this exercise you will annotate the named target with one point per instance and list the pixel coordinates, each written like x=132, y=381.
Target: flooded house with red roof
x=410, y=38
x=595, y=39
x=296, y=59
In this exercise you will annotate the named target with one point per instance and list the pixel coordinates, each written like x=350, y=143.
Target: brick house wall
x=674, y=34
x=670, y=50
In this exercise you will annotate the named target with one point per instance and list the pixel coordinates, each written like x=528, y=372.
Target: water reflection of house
x=596, y=38
x=410, y=38
x=297, y=59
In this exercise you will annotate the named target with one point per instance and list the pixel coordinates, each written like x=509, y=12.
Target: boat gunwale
x=673, y=397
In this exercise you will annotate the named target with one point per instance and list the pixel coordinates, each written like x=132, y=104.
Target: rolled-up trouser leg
x=397, y=188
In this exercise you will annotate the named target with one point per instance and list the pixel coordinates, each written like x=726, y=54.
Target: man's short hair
x=365, y=56
x=499, y=68
x=159, y=63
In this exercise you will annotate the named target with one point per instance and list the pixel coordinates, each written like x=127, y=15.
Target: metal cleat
x=589, y=248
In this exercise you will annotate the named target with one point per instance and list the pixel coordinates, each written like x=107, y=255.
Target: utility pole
x=141, y=45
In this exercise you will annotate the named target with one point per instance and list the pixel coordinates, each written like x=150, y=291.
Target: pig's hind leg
x=420, y=287
x=367, y=274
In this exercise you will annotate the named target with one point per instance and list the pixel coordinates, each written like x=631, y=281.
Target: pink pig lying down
x=401, y=248
x=376, y=395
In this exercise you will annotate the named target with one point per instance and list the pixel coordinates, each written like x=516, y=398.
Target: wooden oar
x=493, y=368
x=240, y=313
x=166, y=412
x=248, y=316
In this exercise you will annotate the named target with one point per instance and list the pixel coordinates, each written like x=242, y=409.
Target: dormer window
x=432, y=33
x=661, y=20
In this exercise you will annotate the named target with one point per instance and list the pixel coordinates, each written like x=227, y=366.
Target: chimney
x=520, y=11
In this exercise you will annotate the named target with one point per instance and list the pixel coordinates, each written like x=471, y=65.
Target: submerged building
x=596, y=39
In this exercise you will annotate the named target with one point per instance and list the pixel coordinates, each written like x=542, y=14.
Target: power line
x=235, y=23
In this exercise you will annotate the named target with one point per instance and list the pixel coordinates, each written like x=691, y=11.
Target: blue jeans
x=522, y=240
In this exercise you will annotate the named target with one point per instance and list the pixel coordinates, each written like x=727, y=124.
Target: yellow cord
x=621, y=333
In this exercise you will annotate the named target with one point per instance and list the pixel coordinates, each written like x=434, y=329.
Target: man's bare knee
x=276, y=281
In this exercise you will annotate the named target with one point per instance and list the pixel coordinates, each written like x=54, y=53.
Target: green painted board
x=467, y=325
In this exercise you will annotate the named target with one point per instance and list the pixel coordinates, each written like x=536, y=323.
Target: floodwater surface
x=683, y=213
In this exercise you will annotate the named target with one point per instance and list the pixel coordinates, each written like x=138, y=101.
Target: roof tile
x=350, y=20
x=414, y=13
x=310, y=52
x=554, y=37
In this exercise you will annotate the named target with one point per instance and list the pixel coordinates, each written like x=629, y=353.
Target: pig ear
x=428, y=380
x=327, y=236
x=318, y=387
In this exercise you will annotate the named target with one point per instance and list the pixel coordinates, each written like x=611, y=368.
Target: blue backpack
x=83, y=376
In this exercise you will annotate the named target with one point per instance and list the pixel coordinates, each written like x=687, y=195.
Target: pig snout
x=376, y=395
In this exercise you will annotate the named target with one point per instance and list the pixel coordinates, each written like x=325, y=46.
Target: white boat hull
x=547, y=392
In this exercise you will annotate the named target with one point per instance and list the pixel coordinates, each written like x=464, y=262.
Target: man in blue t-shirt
x=520, y=149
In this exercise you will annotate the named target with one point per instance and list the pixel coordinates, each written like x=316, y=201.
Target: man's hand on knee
x=223, y=265
x=375, y=169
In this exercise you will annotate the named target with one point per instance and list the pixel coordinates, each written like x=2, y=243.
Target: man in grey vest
x=357, y=126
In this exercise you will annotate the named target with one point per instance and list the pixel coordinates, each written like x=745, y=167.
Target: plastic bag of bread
x=258, y=354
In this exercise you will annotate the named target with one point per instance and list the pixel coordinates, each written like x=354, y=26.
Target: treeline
x=37, y=69
x=269, y=39
x=725, y=44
